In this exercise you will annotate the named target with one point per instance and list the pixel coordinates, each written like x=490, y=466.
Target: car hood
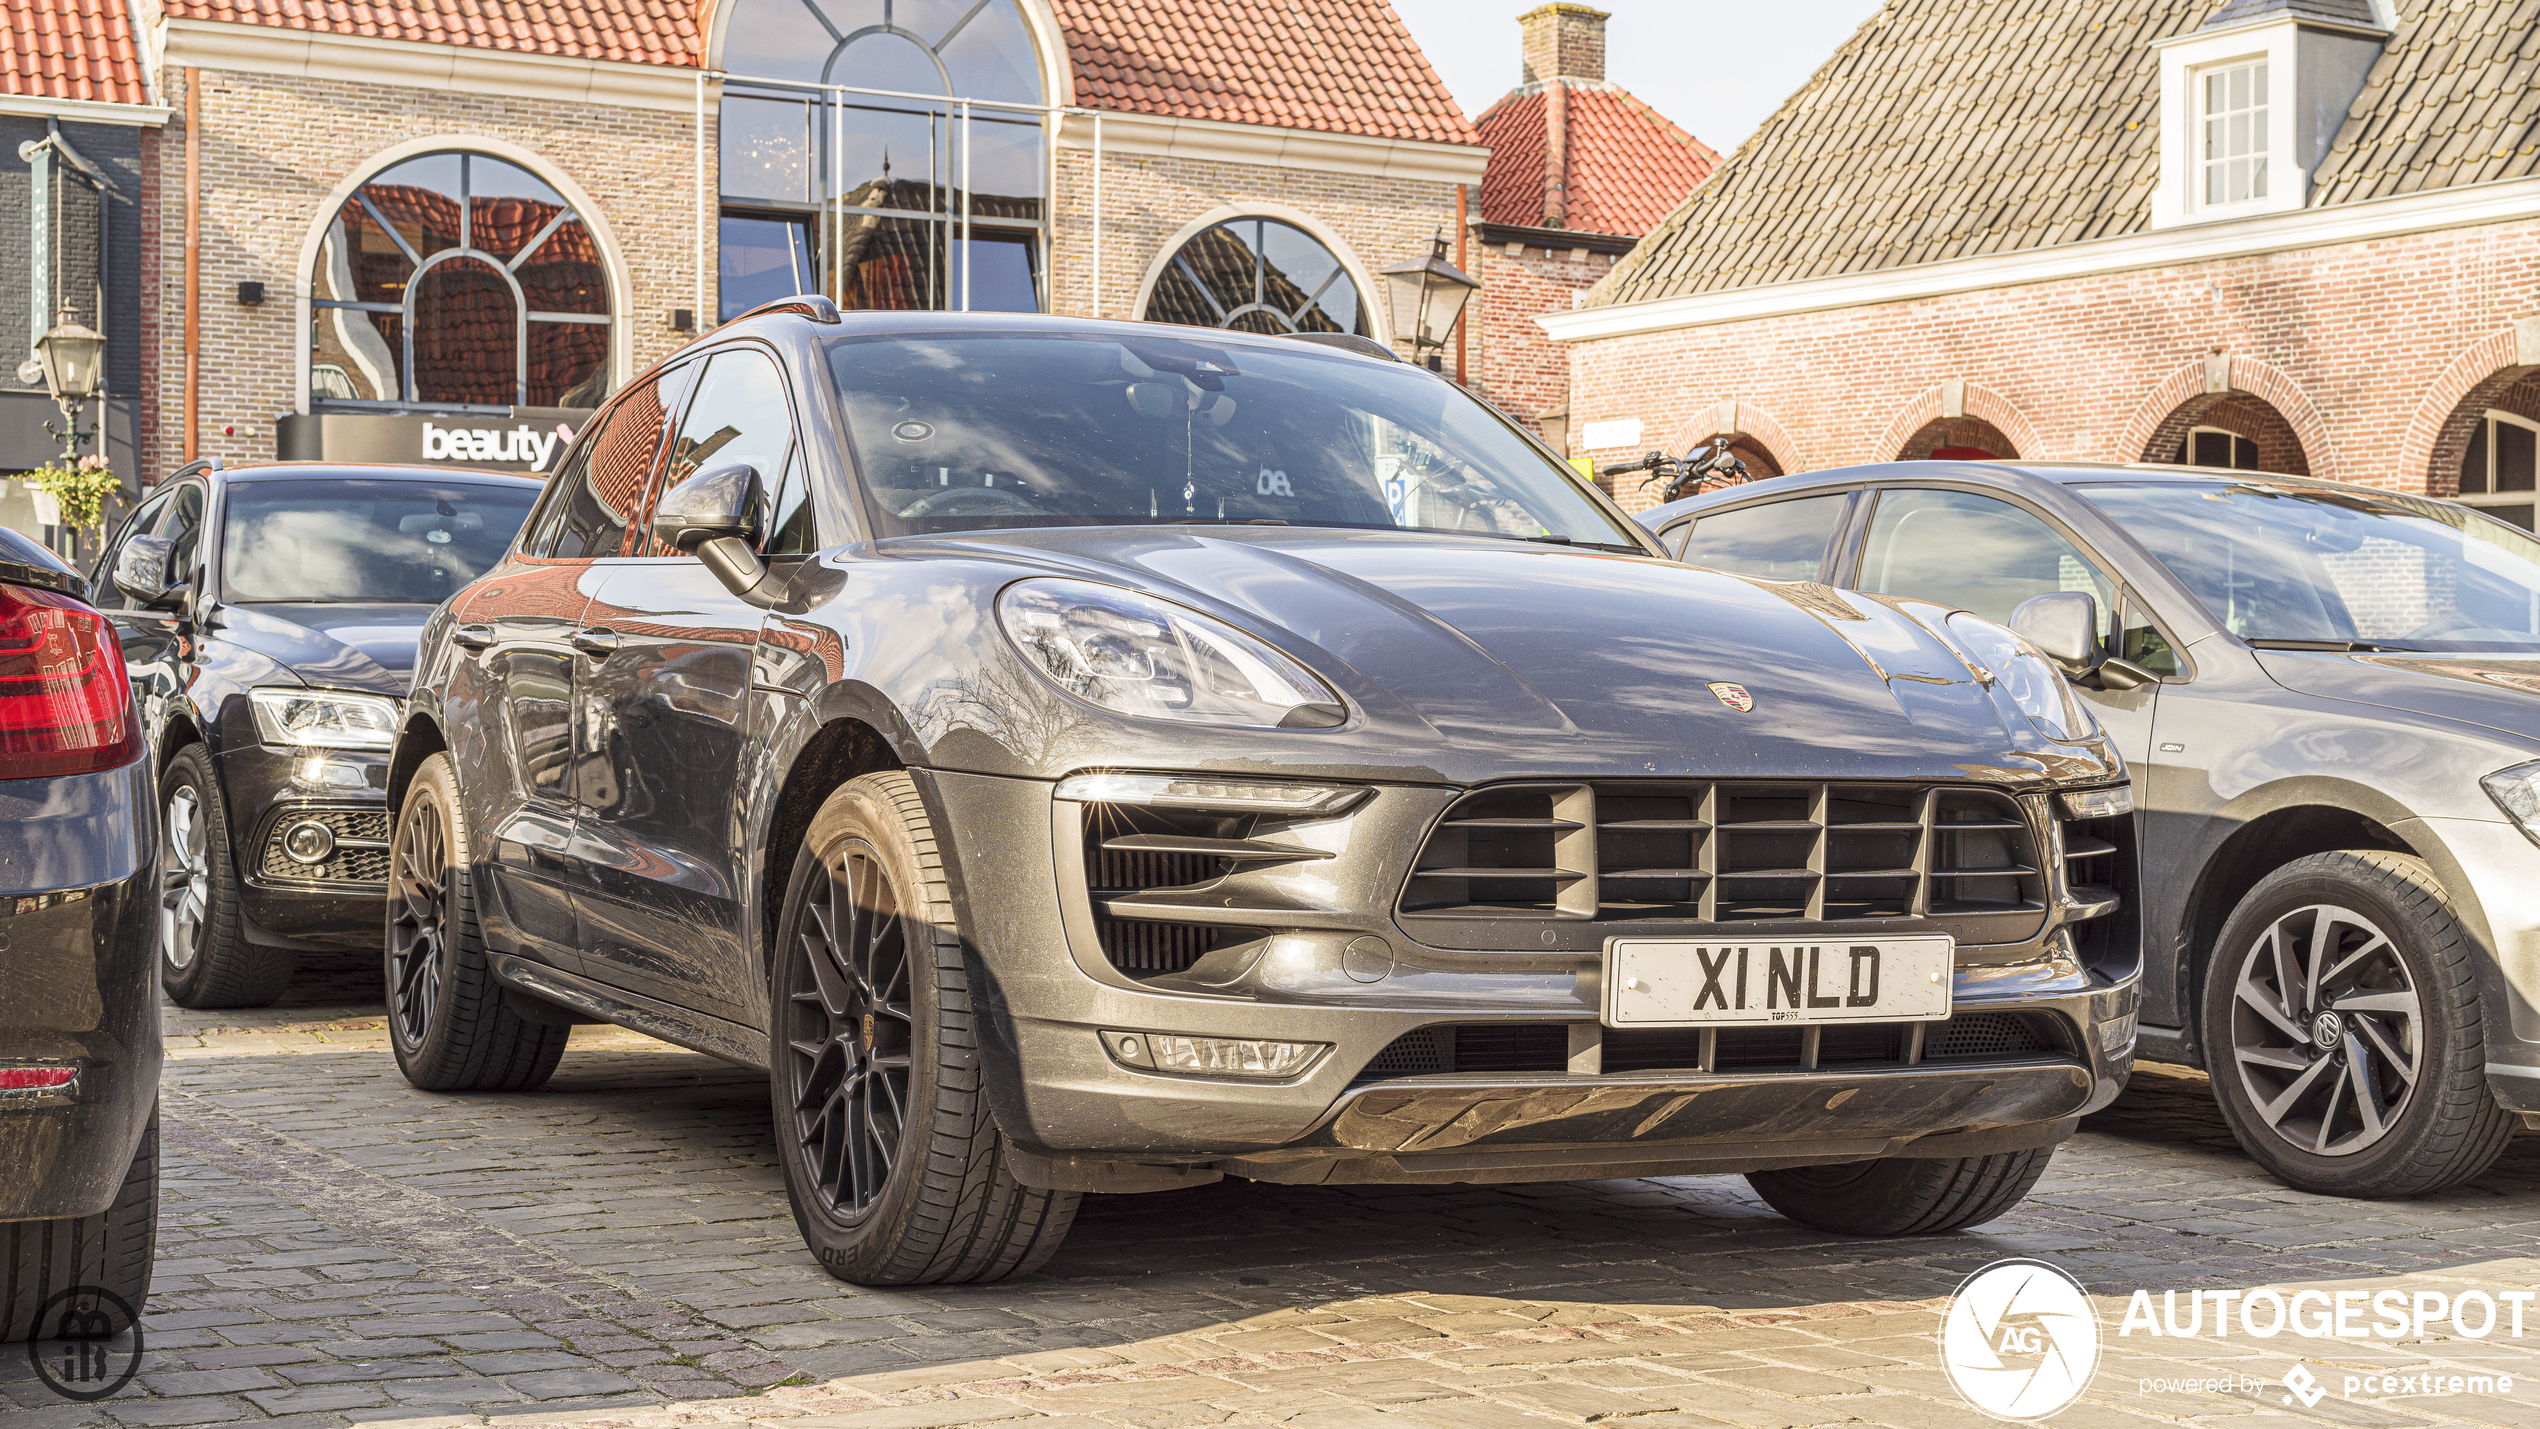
x=2500, y=691
x=341, y=647
x=1580, y=660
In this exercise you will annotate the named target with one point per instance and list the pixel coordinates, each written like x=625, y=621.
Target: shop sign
x=528, y=439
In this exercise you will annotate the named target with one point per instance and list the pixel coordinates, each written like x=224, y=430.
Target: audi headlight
x=1136, y=655
x=2517, y=792
x=2024, y=677
x=324, y=719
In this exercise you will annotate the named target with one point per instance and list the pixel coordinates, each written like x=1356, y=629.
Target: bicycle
x=1688, y=475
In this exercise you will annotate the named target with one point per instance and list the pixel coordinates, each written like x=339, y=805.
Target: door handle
x=473, y=637
x=599, y=640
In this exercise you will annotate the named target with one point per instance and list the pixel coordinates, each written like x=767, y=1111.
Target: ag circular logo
x=2020, y=1340
x=87, y=1343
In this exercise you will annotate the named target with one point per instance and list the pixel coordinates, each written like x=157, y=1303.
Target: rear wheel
x=205, y=959
x=2343, y=1032
x=1902, y=1196
x=109, y=1251
x=450, y=1022
x=896, y=1172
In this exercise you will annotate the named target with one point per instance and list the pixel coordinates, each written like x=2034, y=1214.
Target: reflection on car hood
x=2499, y=691
x=342, y=647
x=1573, y=659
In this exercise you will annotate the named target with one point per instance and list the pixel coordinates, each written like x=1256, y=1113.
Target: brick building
x=2299, y=235
x=78, y=122
x=1579, y=170
x=430, y=230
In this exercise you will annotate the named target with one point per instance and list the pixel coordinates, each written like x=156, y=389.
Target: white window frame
x=2185, y=61
x=2261, y=154
x=2491, y=496
x=2194, y=432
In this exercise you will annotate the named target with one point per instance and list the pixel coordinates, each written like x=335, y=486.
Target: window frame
x=2202, y=118
x=2486, y=444
x=1169, y=260
x=1679, y=533
x=695, y=365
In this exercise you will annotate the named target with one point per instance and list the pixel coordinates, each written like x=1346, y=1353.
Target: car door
x=666, y=701
x=148, y=637
x=1786, y=540
x=1987, y=555
x=522, y=623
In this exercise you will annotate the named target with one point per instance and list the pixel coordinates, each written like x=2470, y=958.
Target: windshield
x=400, y=542
x=955, y=432
x=2337, y=568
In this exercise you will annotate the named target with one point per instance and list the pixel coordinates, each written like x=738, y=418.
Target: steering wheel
x=971, y=501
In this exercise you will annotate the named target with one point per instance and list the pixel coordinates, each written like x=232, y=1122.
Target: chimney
x=1563, y=42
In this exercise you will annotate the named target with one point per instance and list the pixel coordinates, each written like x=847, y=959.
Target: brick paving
x=337, y=1249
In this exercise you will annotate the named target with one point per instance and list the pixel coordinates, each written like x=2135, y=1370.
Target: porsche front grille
x=1704, y=852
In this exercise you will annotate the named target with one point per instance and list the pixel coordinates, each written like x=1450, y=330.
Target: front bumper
x=335, y=900
x=1066, y=1102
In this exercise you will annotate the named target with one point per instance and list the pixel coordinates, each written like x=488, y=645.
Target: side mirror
x=714, y=515
x=141, y=571
x=2064, y=627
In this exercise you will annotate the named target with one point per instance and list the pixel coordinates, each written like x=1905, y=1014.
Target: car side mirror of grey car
x=714, y=516
x=141, y=571
x=2064, y=626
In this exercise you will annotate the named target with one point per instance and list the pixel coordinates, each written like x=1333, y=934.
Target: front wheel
x=205, y=959
x=2343, y=1032
x=1902, y=1196
x=896, y=1172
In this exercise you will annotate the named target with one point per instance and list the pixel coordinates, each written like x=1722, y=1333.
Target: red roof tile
x=660, y=32
x=1626, y=166
x=70, y=49
x=1345, y=66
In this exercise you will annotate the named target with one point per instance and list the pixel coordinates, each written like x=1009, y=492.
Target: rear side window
x=1779, y=541
x=1974, y=552
x=602, y=486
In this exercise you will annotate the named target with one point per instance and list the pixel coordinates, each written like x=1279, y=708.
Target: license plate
x=1692, y=982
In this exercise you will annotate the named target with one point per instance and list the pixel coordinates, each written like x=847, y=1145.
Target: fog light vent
x=308, y=841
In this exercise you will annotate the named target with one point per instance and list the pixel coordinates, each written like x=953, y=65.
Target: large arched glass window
x=885, y=152
x=1258, y=275
x=459, y=278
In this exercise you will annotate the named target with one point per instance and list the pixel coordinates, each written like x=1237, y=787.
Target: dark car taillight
x=65, y=702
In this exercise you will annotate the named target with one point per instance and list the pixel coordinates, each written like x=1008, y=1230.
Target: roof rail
x=808, y=305
x=1348, y=342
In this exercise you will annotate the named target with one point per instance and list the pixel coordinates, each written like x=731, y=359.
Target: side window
x=739, y=414
x=2142, y=642
x=1780, y=540
x=790, y=528
x=184, y=525
x=604, y=483
x=541, y=538
x=1976, y=552
x=101, y=577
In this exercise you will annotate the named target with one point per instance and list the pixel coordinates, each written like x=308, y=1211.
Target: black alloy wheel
x=850, y=1031
x=418, y=919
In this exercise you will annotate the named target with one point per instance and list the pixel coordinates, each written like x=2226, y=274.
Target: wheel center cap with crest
x=2326, y=1030
x=1734, y=696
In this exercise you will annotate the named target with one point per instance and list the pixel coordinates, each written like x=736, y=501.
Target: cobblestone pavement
x=336, y=1248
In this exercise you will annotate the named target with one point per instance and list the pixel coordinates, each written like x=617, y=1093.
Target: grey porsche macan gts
x=1104, y=757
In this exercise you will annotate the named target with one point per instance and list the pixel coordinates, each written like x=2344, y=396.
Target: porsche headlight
x=1136, y=655
x=2517, y=792
x=324, y=719
x=2024, y=677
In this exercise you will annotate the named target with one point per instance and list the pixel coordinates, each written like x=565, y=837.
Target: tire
x=450, y=1022
x=108, y=1251
x=205, y=959
x=1903, y=1196
x=2398, y=985
x=857, y=1043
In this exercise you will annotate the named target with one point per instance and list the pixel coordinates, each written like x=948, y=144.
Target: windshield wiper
x=2337, y=646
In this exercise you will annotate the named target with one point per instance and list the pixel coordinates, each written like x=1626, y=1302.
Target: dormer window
x=2234, y=122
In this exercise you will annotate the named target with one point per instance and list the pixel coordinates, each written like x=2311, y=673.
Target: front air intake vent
x=1656, y=851
x=1140, y=861
x=1969, y=1039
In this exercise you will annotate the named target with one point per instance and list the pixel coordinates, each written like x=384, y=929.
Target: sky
x=1718, y=67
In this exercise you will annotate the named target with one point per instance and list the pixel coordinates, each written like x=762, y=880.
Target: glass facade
x=458, y=278
x=864, y=155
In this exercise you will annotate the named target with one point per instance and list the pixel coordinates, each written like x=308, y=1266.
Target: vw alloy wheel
x=850, y=1032
x=2326, y=1031
x=418, y=921
x=184, y=879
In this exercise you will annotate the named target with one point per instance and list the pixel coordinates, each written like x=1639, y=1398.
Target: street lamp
x=73, y=356
x=1428, y=296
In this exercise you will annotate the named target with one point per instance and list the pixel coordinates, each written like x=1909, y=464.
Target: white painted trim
x=612, y=255
x=86, y=111
x=459, y=69
x=2471, y=206
x=1372, y=297
x=1265, y=144
x=139, y=14
x=1057, y=79
x=2185, y=59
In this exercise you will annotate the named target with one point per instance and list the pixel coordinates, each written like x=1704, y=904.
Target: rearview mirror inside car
x=714, y=515
x=141, y=571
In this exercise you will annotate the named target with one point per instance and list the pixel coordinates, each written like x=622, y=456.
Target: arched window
x=2503, y=467
x=885, y=152
x=457, y=277
x=1258, y=275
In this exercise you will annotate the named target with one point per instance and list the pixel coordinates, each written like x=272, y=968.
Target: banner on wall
x=522, y=439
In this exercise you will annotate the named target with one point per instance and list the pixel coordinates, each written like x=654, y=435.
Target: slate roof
x=659, y=32
x=1955, y=128
x=70, y=49
x=1626, y=166
x=1345, y=66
